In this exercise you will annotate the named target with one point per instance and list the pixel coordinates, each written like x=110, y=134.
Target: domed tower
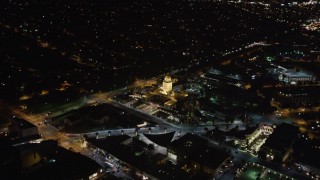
x=167, y=84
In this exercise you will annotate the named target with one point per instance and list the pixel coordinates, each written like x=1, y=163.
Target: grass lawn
x=250, y=173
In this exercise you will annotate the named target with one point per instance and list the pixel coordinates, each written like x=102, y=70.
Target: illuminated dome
x=167, y=79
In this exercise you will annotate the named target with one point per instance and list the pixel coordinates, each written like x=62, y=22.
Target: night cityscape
x=160, y=89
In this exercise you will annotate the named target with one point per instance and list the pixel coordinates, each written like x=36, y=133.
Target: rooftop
x=160, y=139
x=23, y=124
x=290, y=72
x=49, y=162
x=109, y=141
x=215, y=71
x=282, y=137
x=294, y=73
x=188, y=144
x=211, y=157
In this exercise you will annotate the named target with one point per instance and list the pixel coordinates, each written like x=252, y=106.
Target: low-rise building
x=297, y=97
x=278, y=146
x=23, y=127
x=22, y=131
x=193, y=153
x=182, y=149
x=292, y=76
